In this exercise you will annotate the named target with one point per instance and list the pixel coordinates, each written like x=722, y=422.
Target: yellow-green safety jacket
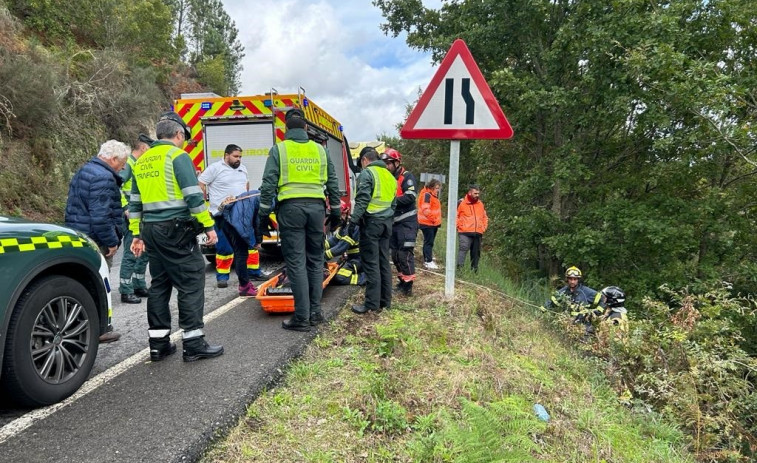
x=165, y=187
x=126, y=176
x=303, y=170
x=376, y=193
x=298, y=168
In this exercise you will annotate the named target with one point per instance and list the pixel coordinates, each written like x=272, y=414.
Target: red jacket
x=471, y=217
x=429, y=208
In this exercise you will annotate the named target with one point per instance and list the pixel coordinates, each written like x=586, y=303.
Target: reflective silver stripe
x=191, y=334
x=139, y=276
x=408, y=244
x=168, y=172
x=619, y=310
x=125, y=281
x=410, y=193
x=191, y=190
x=158, y=333
x=324, y=164
x=407, y=214
x=160, y=205
x=198, y=209
x=135, y=215
x=135, y=198
x=283, y=163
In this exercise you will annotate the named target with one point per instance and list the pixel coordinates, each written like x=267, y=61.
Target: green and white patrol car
x=55, y=302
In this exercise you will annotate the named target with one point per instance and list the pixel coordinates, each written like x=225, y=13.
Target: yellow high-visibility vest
x=384, y=189
x=302, y=170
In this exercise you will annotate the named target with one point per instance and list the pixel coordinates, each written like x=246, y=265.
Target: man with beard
x=223, y=179
x=472, y=222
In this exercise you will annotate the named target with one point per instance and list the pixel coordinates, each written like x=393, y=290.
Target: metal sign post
x=451, y=257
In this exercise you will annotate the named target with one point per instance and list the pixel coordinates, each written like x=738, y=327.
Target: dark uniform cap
x=365, y=151
x=176, y=118
x=294, y=112
x=146, y=139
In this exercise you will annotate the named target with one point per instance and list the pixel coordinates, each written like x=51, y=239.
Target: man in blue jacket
x=584, y=303
x=94, y=204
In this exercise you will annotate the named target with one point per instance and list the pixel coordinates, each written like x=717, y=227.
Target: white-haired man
x=94, y=203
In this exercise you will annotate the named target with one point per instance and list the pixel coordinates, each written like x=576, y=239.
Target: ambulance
x=256, y=123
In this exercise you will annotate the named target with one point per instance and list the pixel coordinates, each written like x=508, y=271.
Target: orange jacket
x=429, y=208
x=471, y=217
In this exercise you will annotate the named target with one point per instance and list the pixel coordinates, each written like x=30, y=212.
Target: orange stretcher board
x=285, y=304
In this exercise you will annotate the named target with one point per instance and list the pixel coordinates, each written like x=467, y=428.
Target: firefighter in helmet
x=615, y=312
x=405, y=225
x=582, y=302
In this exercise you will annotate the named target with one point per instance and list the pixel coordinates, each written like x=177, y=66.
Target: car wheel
x=52, y=342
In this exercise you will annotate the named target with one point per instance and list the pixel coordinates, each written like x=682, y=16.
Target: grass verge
x=440, y=380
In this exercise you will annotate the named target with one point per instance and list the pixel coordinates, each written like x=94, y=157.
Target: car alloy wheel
x=60, y=339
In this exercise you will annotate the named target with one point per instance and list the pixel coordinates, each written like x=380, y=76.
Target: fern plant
x=499, y=432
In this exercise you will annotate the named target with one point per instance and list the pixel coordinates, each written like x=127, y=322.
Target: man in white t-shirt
x=223, y=179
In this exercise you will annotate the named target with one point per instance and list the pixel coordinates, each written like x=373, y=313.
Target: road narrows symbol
x=449, y=92
x=469, y=104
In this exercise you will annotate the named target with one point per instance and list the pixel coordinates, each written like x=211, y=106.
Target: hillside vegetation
x=74, y=74
x=437, y=380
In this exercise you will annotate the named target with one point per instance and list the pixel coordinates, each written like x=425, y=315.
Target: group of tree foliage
x=74, y=74
x=198, y=33
x=634, y=159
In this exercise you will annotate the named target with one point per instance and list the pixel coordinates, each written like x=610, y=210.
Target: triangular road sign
x=458, y=103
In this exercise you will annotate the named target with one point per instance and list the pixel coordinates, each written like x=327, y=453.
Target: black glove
x=264, y=222
x=334, y=219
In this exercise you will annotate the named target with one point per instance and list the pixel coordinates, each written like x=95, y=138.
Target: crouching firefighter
x=615, y=313
x=582, y=302
x=345, y=244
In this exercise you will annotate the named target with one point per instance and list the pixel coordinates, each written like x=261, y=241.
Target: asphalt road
x=138, y=411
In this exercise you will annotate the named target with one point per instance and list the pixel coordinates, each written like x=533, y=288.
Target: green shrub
x=685, y=360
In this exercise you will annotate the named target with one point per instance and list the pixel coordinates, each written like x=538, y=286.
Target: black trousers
x=302, y=237
x=175, y=262
x=472, y=242
x=402, y=245
x=429, y=236
x=375, y=235
x=240, y=247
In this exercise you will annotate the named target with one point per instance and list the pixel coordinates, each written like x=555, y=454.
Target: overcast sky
x=336, y=51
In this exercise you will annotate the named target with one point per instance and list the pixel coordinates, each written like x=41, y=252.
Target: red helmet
x=392, y=154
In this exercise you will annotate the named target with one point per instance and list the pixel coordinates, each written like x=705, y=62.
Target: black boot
x=295, y=325
x=130, y=299
x=161, y=348
x=408, y=291
x=316, y=318
x=141, y=292
x=197, y=348
x=363, y=309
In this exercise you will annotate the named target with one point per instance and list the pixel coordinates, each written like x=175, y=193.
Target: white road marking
x=23, y=422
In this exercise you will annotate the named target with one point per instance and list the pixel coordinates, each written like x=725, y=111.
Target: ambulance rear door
x=254, y=136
